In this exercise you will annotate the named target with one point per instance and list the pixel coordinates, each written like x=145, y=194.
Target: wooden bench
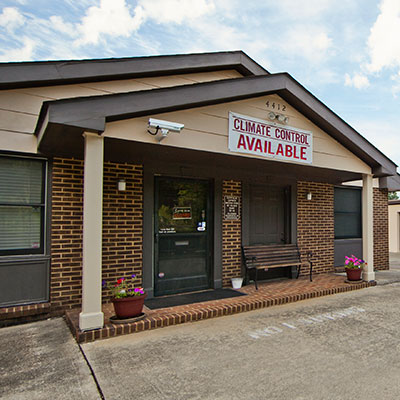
x=256, y=257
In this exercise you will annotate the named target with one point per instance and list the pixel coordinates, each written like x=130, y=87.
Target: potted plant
x=127, y=299
x=353, y=267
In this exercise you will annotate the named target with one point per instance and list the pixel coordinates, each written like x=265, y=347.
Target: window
x=347, y=213
x=22, y=205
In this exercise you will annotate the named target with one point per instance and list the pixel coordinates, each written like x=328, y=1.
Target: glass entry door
x=182, y=235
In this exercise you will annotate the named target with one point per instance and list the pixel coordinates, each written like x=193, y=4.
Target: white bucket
x=237, y=283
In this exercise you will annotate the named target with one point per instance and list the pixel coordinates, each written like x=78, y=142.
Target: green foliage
x=123, y=287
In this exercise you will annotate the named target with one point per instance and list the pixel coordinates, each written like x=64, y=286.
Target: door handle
x=156, y=237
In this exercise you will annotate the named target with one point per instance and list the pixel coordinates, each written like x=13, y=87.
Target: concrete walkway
x=393, y=274
x=41, y=360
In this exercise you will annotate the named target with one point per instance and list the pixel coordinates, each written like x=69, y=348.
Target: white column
x=91, y=316
x=368, y=228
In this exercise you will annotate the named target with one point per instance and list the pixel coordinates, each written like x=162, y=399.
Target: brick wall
x=66, y=234
x=122, y=228
x=315, y=224
x=122, y=222
x=381, y=229
x=231, y=237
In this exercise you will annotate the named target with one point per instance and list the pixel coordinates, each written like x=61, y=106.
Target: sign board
x=182, y=213
x=231, y=208
x=262, y=138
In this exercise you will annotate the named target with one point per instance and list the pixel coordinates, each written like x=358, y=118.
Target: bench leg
x=255, y=280
x=298, y=271
x=310, y=271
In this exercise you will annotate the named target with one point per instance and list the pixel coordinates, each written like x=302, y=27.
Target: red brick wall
x=231, y=237
x=381, y=229
x=122, y=222
x=66, y=234
x=315, y=224
x=122, y=228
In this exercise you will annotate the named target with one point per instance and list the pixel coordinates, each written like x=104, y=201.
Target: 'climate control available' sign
x=255, y=136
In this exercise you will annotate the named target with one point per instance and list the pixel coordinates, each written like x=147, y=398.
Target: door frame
x=151, y=169
x=290, y=208
x=209, y=224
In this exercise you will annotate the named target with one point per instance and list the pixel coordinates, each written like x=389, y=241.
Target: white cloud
x=383, y=134
x=309, y=42
x=307, y=9
x=58, y=24
x=358, y=81
x=24, y=53
x=11, y=19
x=116, y=18
x=383, y=42
x=396, y=87
x=112, y=18
x=175, y=11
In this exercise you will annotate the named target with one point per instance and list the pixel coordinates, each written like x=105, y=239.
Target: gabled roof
x=60, y=121
x=46, y=73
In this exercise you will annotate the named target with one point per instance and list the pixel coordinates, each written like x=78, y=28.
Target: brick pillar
x=231, y=237
x=315, y=224
x=381, y=229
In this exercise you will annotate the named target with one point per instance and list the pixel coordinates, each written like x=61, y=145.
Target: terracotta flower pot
x=129, y=307
x=353, y=274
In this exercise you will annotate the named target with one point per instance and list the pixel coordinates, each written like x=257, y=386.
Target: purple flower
x=103, y=283
x=133, y=276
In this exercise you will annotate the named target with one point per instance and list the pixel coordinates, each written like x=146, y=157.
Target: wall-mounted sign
x=231, y=208
x=182, y=213
x=257, y=137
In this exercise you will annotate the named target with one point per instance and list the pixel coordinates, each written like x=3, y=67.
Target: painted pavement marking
x=317, y=319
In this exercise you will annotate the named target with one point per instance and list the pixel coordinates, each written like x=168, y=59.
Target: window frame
x=41, y=250
x=347, y=213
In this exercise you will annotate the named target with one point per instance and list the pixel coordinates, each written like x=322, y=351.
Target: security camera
x=165, y=125
x=282, y=118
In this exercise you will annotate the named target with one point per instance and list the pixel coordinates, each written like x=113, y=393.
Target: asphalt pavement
x=336, y=347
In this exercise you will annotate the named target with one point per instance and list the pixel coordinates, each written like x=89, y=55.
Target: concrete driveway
x=338, y=347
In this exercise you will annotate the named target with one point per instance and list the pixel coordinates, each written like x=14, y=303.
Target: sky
x=347, y=53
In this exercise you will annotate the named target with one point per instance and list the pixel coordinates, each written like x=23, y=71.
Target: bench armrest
x=249, y=260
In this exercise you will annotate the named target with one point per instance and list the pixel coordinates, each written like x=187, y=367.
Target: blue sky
x=347, y=53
